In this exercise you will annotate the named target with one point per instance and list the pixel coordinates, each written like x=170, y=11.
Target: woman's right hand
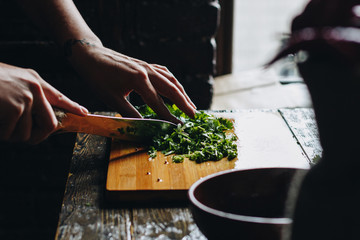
x=26, y=101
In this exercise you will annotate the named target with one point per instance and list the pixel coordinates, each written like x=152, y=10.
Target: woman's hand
x=114, y=76
x=25, y=105
x=111, y=74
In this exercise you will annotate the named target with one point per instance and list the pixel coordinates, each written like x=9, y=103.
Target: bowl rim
x=232, y=216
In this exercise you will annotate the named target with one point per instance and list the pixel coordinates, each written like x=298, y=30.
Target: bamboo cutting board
x=264, y=141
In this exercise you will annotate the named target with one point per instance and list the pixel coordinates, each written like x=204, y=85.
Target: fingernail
x=195, y=111
x=84, y=110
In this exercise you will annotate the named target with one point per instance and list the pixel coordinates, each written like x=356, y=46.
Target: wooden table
x=86, y=215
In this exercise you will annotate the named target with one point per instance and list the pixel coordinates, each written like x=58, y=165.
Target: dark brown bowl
x=244, y=204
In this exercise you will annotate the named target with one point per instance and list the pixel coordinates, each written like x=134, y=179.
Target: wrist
x=72, y=45
x=82, y=54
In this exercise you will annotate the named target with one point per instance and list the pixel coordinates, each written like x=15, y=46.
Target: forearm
x=111, y=74
x=60, y=19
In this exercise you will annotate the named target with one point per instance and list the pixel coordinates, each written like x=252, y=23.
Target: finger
x=156, y=103
x=126, y=109
x=22, y=131
x=160, y=108
x=57, y=99
x=167, y=74
x=169, y=90
x=44, y=120
x=44, y=123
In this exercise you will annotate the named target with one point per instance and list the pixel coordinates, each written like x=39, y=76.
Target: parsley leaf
x=200, y=139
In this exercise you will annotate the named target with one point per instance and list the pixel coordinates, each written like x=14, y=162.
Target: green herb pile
x=201, y=139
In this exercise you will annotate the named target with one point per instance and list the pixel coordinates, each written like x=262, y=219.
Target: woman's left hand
x=114, y=76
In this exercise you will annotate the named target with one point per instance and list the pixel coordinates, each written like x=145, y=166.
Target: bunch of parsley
x=200, y=139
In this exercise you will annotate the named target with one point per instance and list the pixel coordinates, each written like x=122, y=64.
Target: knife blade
x=127, y=129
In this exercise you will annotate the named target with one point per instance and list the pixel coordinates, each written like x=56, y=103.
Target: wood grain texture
x=302, y=123
x=85, y=214
x=137, y=177
x=165, y=223
x=82, y=215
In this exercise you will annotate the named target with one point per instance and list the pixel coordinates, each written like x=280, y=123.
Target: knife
x=127, y=129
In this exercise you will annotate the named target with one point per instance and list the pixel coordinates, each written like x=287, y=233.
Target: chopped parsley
x=203, y=138
x=178, y=158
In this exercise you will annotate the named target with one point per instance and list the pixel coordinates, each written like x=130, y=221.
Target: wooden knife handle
x=60, y=115
x=67, y=122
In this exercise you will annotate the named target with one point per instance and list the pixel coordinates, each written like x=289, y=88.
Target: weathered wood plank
x=165, y=223
x=302, y=123
x=84, y=214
